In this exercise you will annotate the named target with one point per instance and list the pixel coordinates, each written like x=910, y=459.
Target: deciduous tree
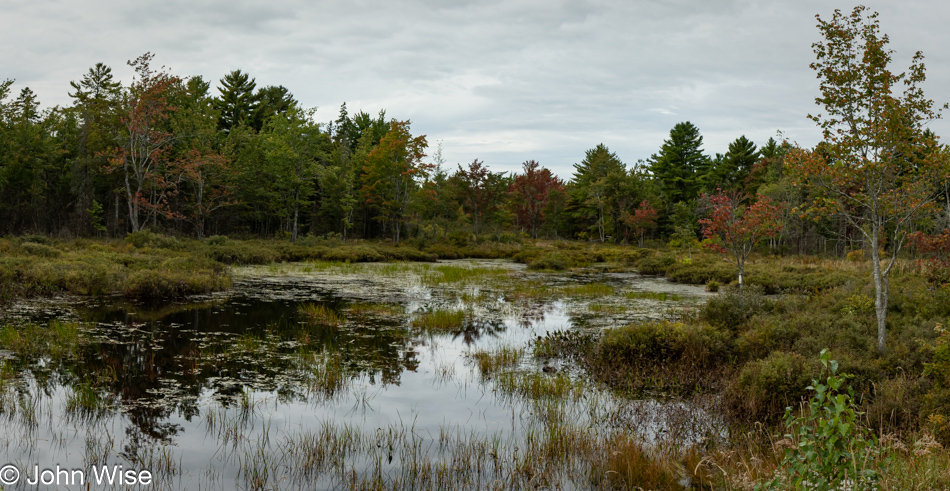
x=392, y=173
x=532, y=190
x=146, y=139
x=877, y=166
x=736, y=229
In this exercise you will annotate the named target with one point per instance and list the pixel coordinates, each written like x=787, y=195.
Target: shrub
x=855, y=256
x=444, y=251
x=648, y=343
x=217, y=240
x=177, y=277
x=39, y=250
x=790, y=279
x=701, y=272
x=655, y=265
x=829, y=448
x=712, y=286
x=144, y=238
x=458, y=238
x=551, y=262
x=732, y=309
x=766, y=387
x=937, y=400
x=234, y=252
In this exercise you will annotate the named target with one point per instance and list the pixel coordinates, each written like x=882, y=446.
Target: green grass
x=321, y=314
x=53, y=339
x=440, y=320
x=587, y=290
x=491, y=362
x=660, y=296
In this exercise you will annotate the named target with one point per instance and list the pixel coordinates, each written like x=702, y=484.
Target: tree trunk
x=880, y=288
x=293, y=233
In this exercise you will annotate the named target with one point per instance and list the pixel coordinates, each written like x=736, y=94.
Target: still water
x=244, y=390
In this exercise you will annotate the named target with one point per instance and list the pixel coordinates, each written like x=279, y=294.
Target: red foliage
x=532, y=191
x=643, y=219
x=937, y=250
x=733, y=228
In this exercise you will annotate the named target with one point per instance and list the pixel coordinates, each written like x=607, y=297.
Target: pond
x=332, y=375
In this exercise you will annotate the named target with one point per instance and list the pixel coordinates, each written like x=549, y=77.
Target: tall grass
x=321, y=314
x=440, y=319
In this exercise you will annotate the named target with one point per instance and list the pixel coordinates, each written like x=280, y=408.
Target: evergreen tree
x=238, y=103
x=271, y=101
x=594, y=193
x=680, y=163
x=731, y=171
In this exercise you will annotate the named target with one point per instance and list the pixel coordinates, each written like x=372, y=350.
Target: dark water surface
x=219, y=392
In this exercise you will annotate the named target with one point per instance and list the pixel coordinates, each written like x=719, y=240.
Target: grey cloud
x=503, y=81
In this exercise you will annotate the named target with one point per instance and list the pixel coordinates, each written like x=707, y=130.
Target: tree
x=96, y=98
x=391, y=172
x=271, y=101
x=735, y=166
x=294, y=146
x=877, y=166
x=531, y=191
x=593, y=195
x=210, y=186
x=680, y=163
x=642, y=219
x=736, y=229
x=480, y=191
x=142, y=155
x=238, y=103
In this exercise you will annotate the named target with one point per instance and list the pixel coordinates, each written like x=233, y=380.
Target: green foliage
x=144, y=238
x=700, y=272
x=731, y=310
x=766, y=387
x=551, y=262
x=829, y=447
x=647, y=343
x=95, y=214
x=655, y=265
x=937, y=400
x=680, y=163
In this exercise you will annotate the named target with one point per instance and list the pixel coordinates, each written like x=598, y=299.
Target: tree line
x=171, y=154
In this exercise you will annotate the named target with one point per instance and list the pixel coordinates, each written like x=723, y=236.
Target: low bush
x=551, y=262
x=764, y=388
x=170, y=282
x=804, y=280
x=144, y=238
x=240, y=252
x=655, y=265
x=701, y=272
x=651, y=343
x=731, y=310
x=39, y=250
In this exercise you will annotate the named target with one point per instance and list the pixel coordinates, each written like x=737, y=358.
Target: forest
x=173, y=155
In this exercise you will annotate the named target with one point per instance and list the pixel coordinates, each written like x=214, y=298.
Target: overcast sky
x=502, y=81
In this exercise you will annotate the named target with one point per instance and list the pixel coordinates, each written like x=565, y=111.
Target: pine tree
x=680, y=163
x=238, y=102
x=734, y=167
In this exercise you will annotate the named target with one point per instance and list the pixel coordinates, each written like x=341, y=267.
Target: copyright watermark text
x=102, y=475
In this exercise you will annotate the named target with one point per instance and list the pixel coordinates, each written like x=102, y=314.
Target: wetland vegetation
x=468, y=373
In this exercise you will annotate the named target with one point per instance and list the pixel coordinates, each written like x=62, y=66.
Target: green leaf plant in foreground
x=826, y=447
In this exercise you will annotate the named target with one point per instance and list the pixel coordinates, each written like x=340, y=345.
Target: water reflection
x=158, y=372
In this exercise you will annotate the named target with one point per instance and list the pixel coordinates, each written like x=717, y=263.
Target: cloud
x=504, y=81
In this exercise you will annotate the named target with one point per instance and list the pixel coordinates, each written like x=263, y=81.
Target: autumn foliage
x=735, y=229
